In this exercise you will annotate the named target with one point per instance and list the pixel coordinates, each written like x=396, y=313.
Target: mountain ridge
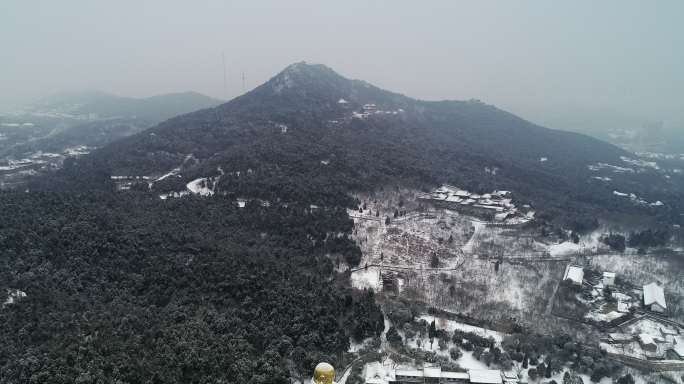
x=308, y=114
x=107, y=105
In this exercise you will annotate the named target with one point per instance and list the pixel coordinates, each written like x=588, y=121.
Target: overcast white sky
x=531, y=57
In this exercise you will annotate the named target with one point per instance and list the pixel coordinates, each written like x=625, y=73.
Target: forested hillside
x=127, y=288
x=310, y=135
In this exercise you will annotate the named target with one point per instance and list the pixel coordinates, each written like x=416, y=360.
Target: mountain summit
x=315, y=87
x=309, y=135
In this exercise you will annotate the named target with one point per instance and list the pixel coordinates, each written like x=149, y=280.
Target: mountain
x=310, y=135
x=105, y=284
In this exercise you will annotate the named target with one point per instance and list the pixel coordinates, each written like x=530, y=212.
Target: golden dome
x=324, y=374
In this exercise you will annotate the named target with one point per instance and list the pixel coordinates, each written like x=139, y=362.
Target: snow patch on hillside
x=13, y=296
x=564, y=249
x=173, y=172
x=200, y=187
x=452, y=325
x=478, y=225
x=368, y=278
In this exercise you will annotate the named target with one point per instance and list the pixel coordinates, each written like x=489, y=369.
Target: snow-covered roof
x=620, y=336
x=654, y=294
x=486, y=376
x=646, y=339
x=491, y=207
x=455, y=375
x=679, y=347
x=622, y=307
x=510, y=375
x=376, y=373
x=409, y=372
x=620, y=296
x=574, y=273
x=432, y=372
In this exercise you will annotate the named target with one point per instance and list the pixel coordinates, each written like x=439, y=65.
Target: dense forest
x=123, y=288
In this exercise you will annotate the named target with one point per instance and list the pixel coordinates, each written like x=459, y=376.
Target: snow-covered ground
x=478, y=225
x=165, y=196
x=564, y=249
x=366, y=279
x=173, y=172
x=607, y=317
x=355, y=347
x=468, y=361
x=201, y=186
x=452, y=325
x=13, y=296
x=587, y=243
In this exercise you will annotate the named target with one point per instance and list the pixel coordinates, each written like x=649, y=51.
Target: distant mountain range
x=311, y=135
x=96, y=104
x=90, y=118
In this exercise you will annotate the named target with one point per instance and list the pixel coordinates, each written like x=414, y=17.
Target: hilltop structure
x=496, y=206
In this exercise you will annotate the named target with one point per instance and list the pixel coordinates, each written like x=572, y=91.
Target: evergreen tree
x=434, y=261
x=627, y=379
x=548, y=370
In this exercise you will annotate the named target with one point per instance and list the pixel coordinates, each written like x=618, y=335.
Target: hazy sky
x=534, y=58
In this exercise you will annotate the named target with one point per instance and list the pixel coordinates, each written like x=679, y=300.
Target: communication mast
x=225, y=81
